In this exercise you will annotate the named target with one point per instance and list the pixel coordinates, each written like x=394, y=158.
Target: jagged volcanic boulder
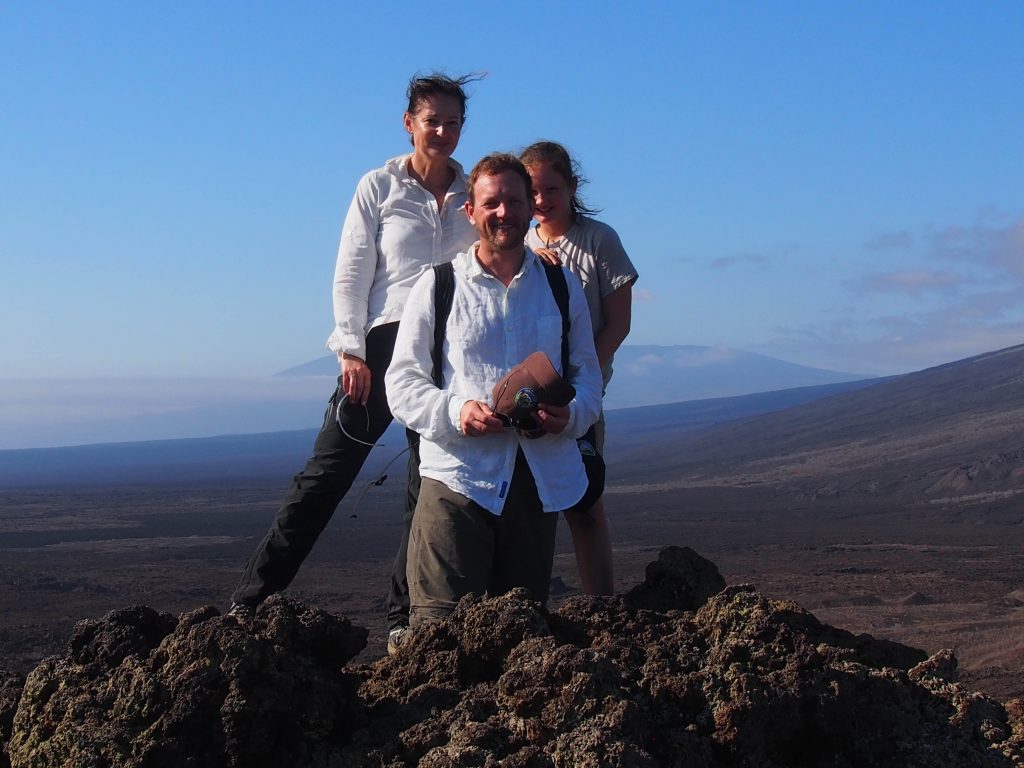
x=141, y=688
x=10, y=693
x=744, y=681
x=679, y=579
x=740, y=681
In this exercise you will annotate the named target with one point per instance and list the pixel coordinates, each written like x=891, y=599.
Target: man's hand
x=553, y=418
x=476, y=419
x=355, y=378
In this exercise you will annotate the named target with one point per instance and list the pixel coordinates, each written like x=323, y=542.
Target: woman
x=566, y=233
x=405, y=217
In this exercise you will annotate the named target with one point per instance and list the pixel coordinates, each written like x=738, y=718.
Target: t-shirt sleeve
x=613, y=264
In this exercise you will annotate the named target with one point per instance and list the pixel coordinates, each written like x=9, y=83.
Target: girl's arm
x=618, y=313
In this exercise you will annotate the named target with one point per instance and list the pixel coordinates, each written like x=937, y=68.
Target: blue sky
x=837, y=184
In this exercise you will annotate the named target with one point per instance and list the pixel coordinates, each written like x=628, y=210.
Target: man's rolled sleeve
x=455, y=406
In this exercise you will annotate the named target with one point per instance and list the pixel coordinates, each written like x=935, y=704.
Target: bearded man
x=487, y=511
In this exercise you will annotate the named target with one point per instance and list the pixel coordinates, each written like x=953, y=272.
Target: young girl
x=566, y=233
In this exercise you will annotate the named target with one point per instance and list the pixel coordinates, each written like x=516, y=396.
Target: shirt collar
x=397, y=166
x=535, y=234
x=473, y=269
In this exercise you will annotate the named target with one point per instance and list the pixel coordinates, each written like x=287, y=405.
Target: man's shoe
x=396, y=638
x=241, y=612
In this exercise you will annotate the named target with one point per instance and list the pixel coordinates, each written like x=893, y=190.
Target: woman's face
x=435, y=127
x=552, y=195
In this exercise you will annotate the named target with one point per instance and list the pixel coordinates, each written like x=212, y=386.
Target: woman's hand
x=553, y=418
x=476, y=419
x=549, y=255
x=355, y=378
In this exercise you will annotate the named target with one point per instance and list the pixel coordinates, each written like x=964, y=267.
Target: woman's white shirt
x=393, y=232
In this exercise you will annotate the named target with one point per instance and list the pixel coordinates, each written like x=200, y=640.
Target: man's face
x=501, y=210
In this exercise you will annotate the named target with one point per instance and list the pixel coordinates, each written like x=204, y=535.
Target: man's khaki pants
x=456, y=547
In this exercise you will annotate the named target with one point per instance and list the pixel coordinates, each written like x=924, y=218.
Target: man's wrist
x=570, y=425
x=455, y=406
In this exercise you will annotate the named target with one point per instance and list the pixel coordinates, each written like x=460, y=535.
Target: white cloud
x=674, y=359
x=899, y=342
x=962, y=296
x=998, y=247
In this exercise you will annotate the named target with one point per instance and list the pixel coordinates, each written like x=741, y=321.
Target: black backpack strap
x=560, y=290
x=444, y=291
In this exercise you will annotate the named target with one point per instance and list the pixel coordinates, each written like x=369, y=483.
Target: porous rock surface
x=141, y=688
x=710, y=677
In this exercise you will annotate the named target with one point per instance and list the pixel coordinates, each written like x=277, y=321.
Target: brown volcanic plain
x=894, y=509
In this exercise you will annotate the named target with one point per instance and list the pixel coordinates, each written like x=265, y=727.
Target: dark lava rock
x=916, y=598
x=559, y=588
x=602, y=681
x=141, y=688
x=679, y=579
x=10, y=693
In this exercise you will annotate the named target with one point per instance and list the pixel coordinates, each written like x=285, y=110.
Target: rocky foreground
x=682, y=671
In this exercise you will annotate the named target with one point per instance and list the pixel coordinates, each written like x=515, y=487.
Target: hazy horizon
x=41, y=413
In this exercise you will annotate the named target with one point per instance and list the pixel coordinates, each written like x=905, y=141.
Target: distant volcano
x=649, y=374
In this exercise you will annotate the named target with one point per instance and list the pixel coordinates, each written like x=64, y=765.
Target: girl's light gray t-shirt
x=593, y=252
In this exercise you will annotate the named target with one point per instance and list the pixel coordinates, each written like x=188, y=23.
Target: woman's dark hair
x=558, y=157
x=495, y=163
x=423, y=87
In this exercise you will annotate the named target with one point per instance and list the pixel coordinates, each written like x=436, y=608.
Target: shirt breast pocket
x=549, y=338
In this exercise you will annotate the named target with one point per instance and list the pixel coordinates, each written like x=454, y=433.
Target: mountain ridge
x=950, y=430
x=652, y=374
x=37, y=413
x=930, y=432
x=277, y=453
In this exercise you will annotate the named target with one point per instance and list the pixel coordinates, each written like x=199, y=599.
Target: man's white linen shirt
x=492, y=328
x=393, y=232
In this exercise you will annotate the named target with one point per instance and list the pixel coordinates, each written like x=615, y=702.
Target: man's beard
x=506, y=236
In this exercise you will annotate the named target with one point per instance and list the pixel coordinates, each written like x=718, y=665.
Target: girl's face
x=436, y=126
x=552, y=195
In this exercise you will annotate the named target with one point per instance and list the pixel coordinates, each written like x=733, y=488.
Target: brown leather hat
x=529, y=384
